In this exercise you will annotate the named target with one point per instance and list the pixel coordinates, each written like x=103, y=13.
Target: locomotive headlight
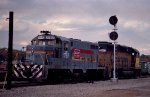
x=132, y=54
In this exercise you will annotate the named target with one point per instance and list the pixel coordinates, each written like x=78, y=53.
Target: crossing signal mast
x=113, y=36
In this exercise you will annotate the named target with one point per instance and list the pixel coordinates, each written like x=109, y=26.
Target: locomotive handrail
x=42, y=59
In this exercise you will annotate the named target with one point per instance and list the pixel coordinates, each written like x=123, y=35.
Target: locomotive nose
x=27, y=73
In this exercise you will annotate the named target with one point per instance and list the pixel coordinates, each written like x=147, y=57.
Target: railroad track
x=16, y=84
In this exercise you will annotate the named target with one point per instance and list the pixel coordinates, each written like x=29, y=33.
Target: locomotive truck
x=55, y=57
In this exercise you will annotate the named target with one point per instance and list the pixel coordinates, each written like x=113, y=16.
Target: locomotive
x=55, y=57
x=127, y=60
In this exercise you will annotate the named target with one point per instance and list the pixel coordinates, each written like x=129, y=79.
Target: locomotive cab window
x=66, y=46
x=42, y=42
x=34, y=42
x=51, y=42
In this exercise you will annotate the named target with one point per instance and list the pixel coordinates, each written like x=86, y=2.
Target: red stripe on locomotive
x=83, y=51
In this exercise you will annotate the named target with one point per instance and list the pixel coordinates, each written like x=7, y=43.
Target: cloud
x=81, y=19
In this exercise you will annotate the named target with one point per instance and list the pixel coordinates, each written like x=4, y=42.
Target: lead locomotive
x=55, y=57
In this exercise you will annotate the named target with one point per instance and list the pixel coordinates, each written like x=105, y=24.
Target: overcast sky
x=81, y=19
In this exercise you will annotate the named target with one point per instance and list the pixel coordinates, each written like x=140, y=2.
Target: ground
x=123, y=88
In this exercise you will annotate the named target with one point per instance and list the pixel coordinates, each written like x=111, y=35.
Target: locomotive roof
x=109, y=46
x=62, y=38
x=43, y=36
x=102, y=44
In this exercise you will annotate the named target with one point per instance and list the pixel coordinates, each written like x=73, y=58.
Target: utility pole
x=10, y=52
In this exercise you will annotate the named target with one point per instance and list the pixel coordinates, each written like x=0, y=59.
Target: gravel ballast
x=123, y=88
